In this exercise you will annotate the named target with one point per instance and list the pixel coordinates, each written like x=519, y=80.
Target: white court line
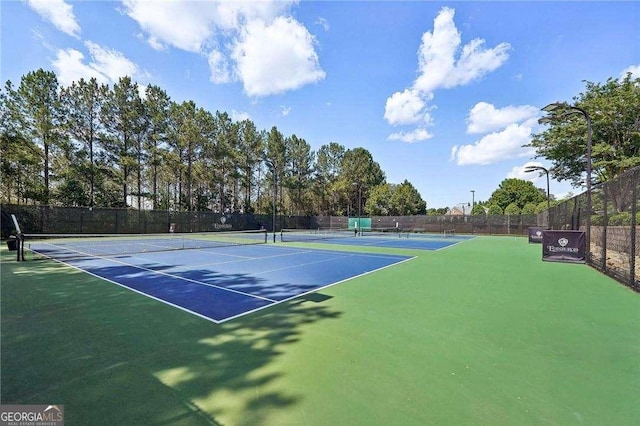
x=109, y=259
x=272, y=301
x=247, y=258
x=316, y=289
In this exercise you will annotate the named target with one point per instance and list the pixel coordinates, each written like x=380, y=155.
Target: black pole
x=272, y=165
x=548, y=203
x=275, y=198
x=359, y=209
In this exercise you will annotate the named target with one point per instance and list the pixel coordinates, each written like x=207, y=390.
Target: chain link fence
x=614, y=237
x=460, y=224
x=81, y=220
x=77, y=220
x=614, y=246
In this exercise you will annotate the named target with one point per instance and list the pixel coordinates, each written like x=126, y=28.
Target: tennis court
x=481, y=333
x=371, y=238
x=218, y=276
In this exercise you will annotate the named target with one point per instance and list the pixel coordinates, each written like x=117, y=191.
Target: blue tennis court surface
x=392, y=240
x=220, y=284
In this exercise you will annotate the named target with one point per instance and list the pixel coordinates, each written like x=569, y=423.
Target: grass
x=480, y=333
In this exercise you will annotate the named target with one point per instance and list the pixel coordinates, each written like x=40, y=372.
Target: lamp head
x=547, y=120
x=530, y=169
x=555, y=106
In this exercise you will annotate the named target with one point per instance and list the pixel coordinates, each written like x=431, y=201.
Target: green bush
x=512, y=210
x=618, y=219
x=529, y=209
x=495, y=209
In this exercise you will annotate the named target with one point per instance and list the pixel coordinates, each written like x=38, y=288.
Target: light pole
x=270, y=164
x=473, y=199
x=530, y=169
x=558, y=111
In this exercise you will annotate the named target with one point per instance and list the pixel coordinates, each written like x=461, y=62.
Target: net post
x=20, y=242
x=19, y=239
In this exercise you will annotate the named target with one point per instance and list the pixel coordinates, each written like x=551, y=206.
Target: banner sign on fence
x=564, y=246
x=535, y=234
x=359, y=223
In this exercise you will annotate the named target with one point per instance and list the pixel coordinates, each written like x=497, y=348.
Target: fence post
x=632, y=255
x=605, y=225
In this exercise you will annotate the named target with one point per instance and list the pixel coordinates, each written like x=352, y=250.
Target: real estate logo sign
x=535, y=234
x=564, y=246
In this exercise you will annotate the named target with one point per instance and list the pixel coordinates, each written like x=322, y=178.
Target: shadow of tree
x=115, y=357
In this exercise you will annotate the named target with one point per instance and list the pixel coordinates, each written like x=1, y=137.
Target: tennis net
x=301, y=235
x=382, y=232
x=74, y=245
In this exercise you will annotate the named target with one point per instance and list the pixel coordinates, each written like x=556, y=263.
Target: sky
x=442, y=94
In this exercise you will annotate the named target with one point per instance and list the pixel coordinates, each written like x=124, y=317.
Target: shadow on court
x=111, y=356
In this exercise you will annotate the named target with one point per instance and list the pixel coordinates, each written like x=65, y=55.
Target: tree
x=20, y=159
x=82, y=103
x=328, y=169
x=250, y=144
x=359, y=173
x=614, y=109
x=438, y=212
x=478, y=210
x=225, y=159
x=119, y=116
x=276, y=156
x=299, y=169
x=530, y=209
x=379, y=202
x=495, y=209
x=512, y=210
x=406, y=200
x=516, y=191
x=157, y=105
x=35, y=107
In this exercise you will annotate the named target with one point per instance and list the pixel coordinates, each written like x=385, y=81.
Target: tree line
x=95, y=145
x=90, y=144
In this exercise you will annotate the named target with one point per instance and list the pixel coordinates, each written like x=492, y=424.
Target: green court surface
x=480, y=333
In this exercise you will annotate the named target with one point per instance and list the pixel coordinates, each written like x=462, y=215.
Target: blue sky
x=443, y=94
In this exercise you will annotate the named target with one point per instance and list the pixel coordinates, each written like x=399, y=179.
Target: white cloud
x=183, y=25
x=70, y=67
x=323, y=23
x=255, y=42
x=518, y=172
x=495, y=147
x=105, y=65
x=220, y=67
x=276, y=58
x=442, y=63
x=484, y=117
x=417, y=135
x=633, y=69
x=285, y=110
x=406, y=107
x=59, y=13
x=112, y=63
x=239, y=116
x=437, y=61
